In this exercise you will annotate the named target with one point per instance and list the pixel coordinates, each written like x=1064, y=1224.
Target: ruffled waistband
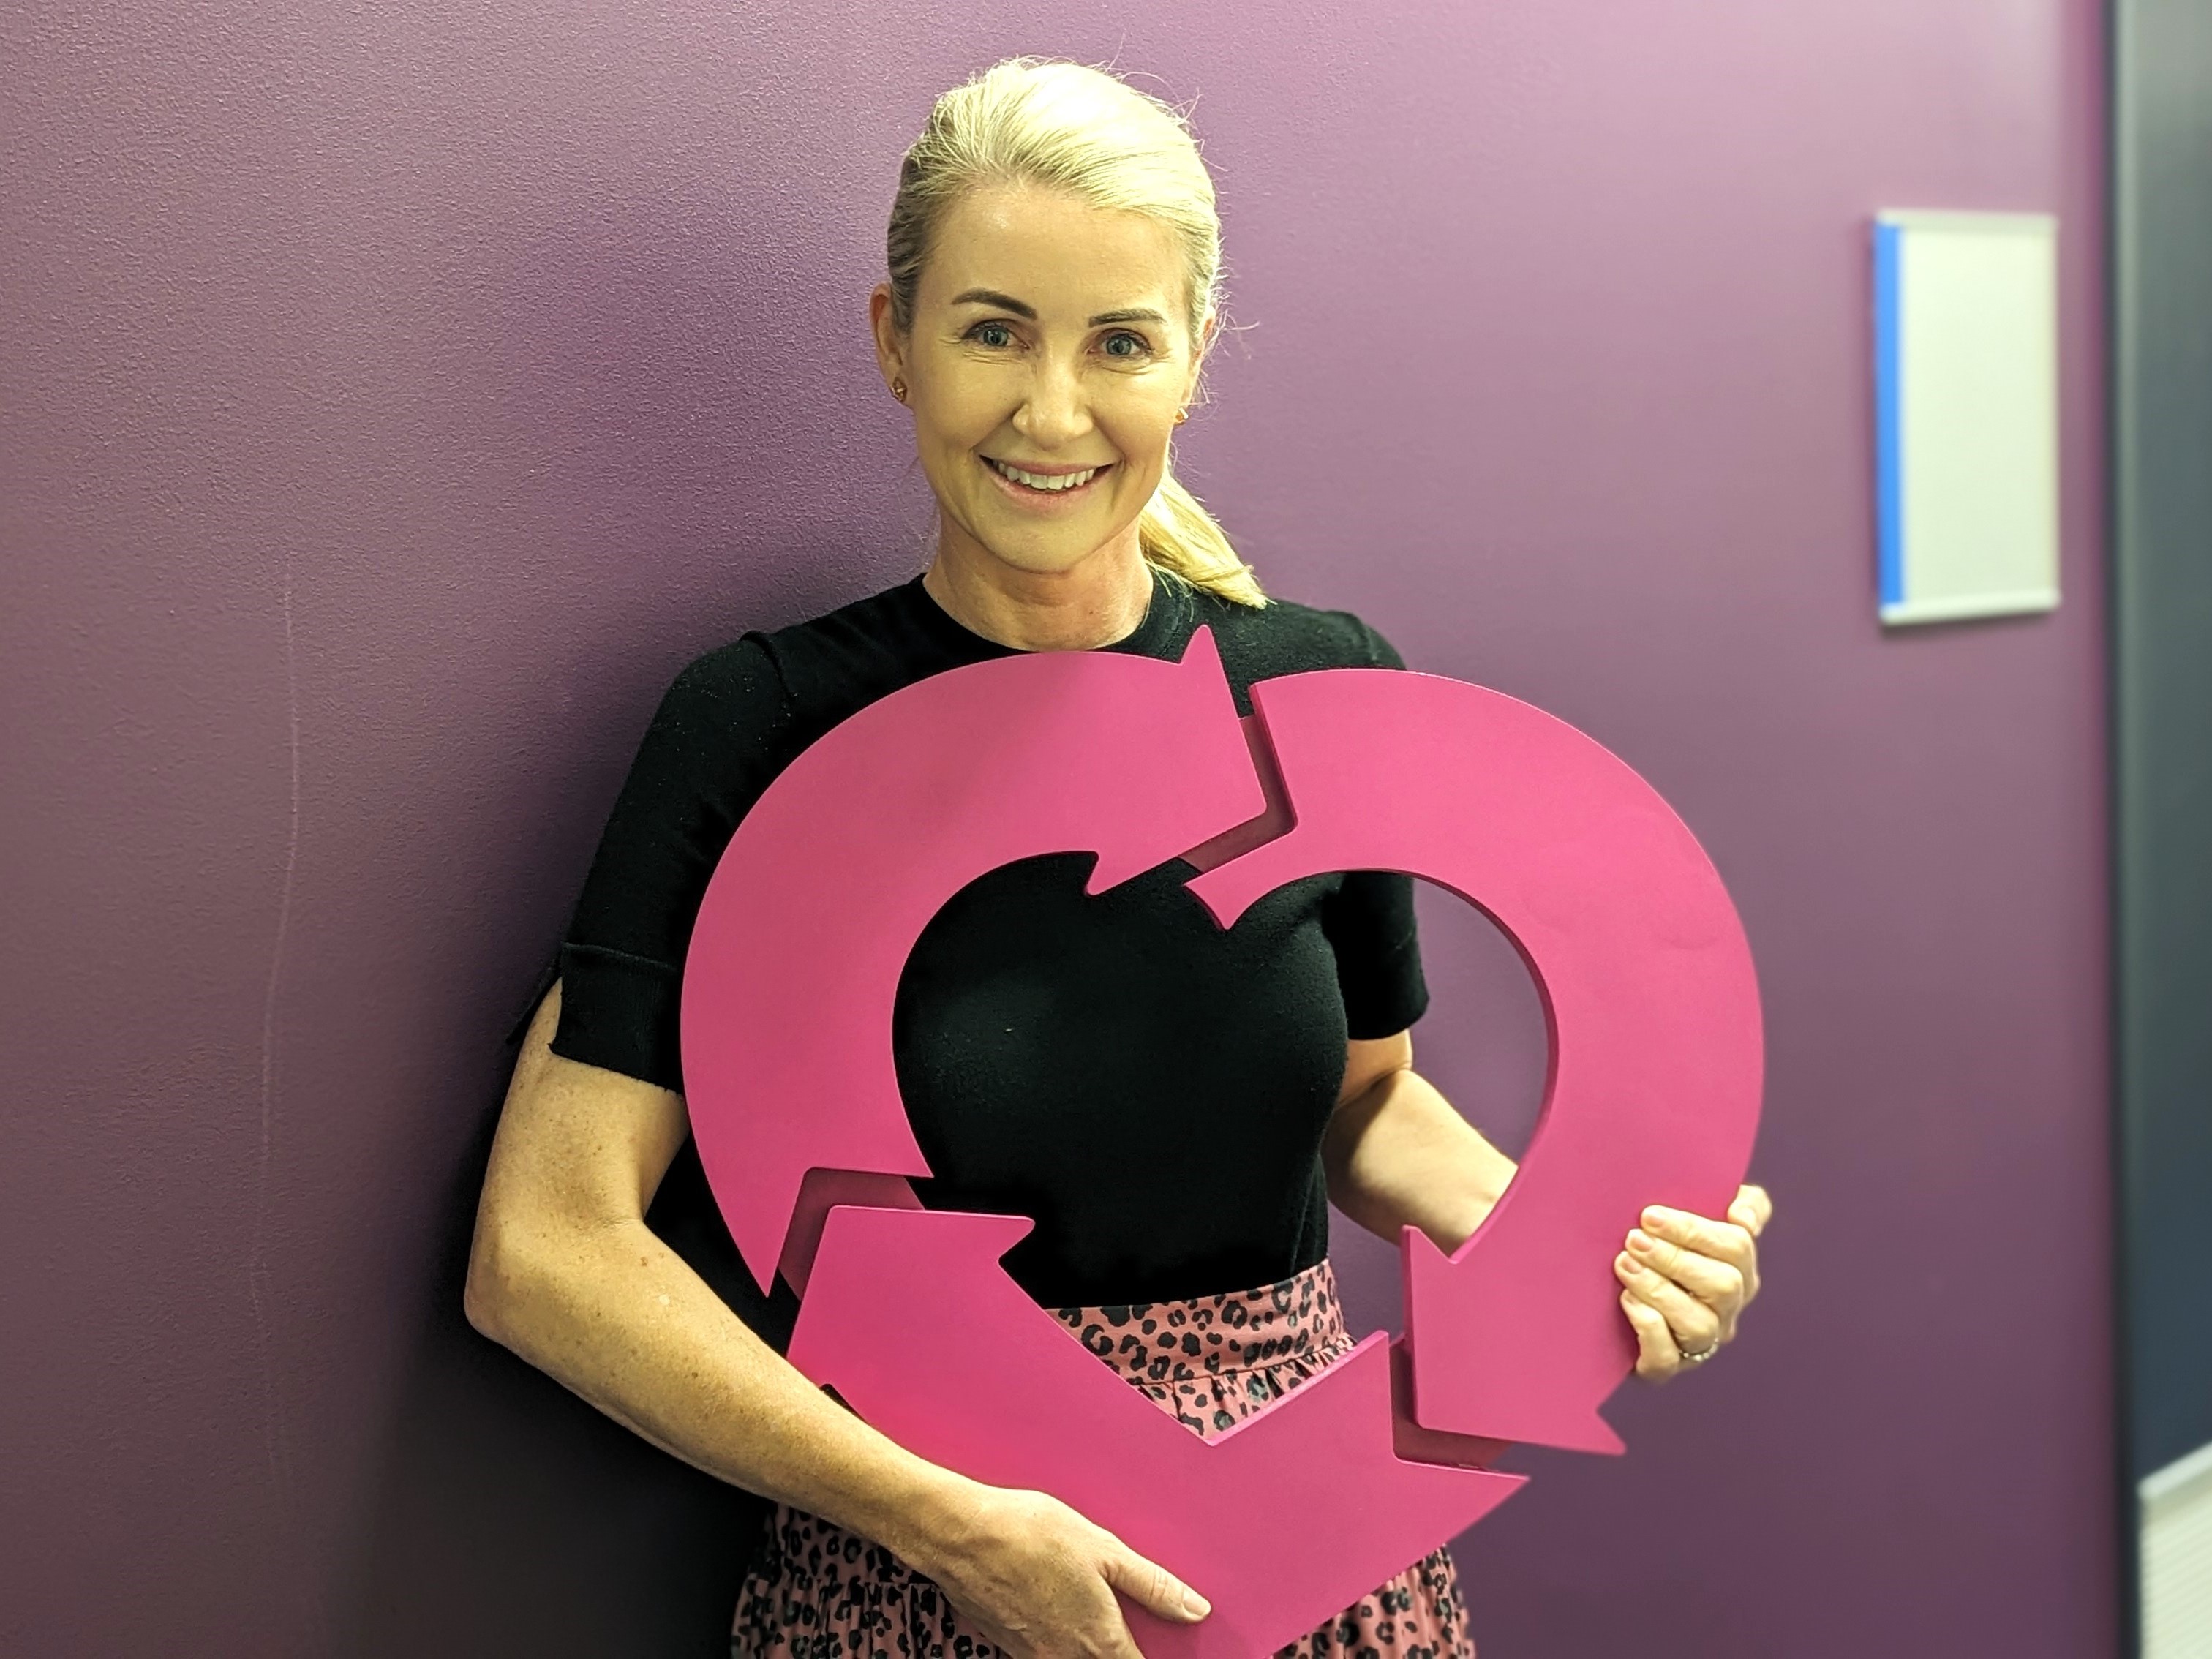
x=1296, y=1318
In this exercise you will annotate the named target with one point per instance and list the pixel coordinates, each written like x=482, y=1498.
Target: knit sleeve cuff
x=1388, y=996
x=619, y=1011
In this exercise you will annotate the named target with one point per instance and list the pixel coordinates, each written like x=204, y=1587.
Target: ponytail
x=1178, y=536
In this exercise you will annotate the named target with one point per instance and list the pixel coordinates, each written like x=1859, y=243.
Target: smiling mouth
x=1045, y=484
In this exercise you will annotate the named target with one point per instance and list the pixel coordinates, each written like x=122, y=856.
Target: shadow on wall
x=476, y=1543
x=644, y=454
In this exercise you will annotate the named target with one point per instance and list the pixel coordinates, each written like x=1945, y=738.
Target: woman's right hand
x=1040, y=1579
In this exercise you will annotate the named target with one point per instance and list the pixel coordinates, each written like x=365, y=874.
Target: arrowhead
x=1280, y=1523
x=1213, y=788
x=1489, y=1390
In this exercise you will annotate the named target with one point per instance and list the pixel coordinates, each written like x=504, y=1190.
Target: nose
x=1055, y=412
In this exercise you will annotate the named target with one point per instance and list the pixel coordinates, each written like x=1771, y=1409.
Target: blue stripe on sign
x=1888, y=417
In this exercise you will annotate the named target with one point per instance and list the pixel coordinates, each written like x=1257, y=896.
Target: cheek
x=1142, y=439
x=946, y=428
x=967, y=404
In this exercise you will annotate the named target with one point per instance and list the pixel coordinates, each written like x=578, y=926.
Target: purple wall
x=394, y=395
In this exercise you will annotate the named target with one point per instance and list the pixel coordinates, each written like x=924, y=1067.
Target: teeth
x=1066, y=480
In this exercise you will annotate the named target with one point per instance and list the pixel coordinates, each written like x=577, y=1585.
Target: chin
x=1051, y=559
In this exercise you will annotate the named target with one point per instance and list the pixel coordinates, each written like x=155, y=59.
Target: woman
x=1175, y=1105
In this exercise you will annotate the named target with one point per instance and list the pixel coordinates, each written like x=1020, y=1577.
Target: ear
x=891, y=350
x=1207, y=332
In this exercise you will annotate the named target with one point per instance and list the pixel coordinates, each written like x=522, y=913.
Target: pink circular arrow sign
x=786, y=1016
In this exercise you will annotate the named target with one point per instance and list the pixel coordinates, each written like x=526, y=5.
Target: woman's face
x=1047, y=360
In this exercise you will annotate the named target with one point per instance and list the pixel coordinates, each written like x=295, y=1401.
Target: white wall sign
x=1966, y=414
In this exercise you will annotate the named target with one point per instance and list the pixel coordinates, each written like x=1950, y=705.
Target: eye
x=1124, y=344
x=995, y=335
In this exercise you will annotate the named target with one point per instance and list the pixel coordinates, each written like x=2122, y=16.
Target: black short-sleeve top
x=1150, y=1088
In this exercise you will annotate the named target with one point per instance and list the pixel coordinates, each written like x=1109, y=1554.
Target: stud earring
x=1181, y=414
x=898, y=390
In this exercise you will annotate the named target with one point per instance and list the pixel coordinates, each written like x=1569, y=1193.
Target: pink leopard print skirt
x=819, y=1592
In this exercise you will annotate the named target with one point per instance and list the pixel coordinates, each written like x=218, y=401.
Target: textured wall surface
x=393, y=394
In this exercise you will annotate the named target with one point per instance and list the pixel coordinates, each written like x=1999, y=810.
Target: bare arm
x=564, y=1271
x=1398, y=1154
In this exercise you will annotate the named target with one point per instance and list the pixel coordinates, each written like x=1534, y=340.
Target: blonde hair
x=1042, y=121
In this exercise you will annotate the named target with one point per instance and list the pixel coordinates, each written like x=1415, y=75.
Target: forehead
x=1053, y=250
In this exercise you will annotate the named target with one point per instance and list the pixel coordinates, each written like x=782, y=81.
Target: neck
x=1099, y=599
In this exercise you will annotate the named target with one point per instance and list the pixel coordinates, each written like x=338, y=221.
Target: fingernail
x=1655, y=1218
x=1626, y=1262
x=1196, y=1605
x=1638, y=1239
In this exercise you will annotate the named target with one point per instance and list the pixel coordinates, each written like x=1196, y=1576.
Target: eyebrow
x=991, y=296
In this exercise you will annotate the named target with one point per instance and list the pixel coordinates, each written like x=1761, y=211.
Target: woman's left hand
x=1688, y=1280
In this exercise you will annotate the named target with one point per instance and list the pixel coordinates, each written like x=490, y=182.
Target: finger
x=1696, y=1327
x=1725, y=1241
x=1752, y=1210
x=1152, y=1587
x=1658, y=1356
x=1718, y=1284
